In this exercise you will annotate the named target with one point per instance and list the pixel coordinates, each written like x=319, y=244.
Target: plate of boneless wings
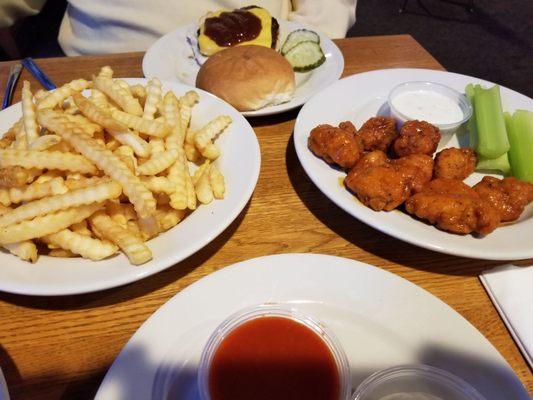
x=106, y=181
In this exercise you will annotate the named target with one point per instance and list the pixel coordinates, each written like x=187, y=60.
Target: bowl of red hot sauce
x=273, y=351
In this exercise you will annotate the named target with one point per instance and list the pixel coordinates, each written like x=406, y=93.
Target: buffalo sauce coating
x=273, y=358
x=231, y=28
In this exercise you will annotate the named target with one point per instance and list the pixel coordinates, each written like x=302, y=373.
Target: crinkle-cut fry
x=44, y=142
x=168, y=217
x=158, y=163
x=46, y=159
x=176, y=139
x=85, y=246
x=178, y=174
x=191, y=193
x=8, y=138
x=106, y=72
x=69, y=107
x=191, y=152
x=153, y=96
x=16, y=176
x=211, y=152
x=40, y=94
x=20, y=136
x=61, y=253
x=48, y=176
x=89, y=127
x=217, y=182
x=170, y=108
x=60, y=94
x=190, y=98
x=139, y=92
x=142, y=125
x=99, y=99
x=205, y=135
x=25, y=250
x=140, y=146
x=127, y=156
x=32, y=191
x=75, y=184
x=138, y=194
x=4, y=209
x=123, y=84
x=47, y=224
x=28, y=114
x=129, y=242
x=81, y=228
x=119, y=95
x=203, y=189
x=121, y=213
x=94, y=194
x=157, y=145
x=113, y=144
x=149, y=227
x=158, y=184
x=62, y=147
x=162, y=199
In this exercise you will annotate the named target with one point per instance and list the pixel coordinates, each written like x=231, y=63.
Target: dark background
x=493, y=41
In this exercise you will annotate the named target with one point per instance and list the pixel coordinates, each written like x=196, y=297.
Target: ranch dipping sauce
x=426, y=105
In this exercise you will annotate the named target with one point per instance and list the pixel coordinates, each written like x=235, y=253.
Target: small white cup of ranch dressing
x=437, y=104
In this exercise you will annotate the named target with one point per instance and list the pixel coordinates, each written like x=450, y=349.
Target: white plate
x=361, y=96
x=239, y=162
x=380, y=319
x=172, y=58
x=4, y=394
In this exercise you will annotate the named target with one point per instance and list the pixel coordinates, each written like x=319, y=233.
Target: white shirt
x=118, y=26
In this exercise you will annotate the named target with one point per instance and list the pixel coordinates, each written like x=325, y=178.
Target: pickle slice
x=298, y=36
x=305, y=56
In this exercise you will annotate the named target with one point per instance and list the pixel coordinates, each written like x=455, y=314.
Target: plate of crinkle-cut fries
x=107, y=181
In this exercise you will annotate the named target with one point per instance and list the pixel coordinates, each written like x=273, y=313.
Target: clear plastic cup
x=447, y=130
x=273, y=310
x=420, y=382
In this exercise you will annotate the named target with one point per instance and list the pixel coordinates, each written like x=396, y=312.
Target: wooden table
x=60, y=348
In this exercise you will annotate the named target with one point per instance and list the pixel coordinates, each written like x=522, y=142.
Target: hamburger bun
x=248, y=77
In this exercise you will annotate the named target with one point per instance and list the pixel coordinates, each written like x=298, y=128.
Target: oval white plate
x=380, y=319
x=171, y=58
x=359, y=97
x=4, y=394
x=62, y=276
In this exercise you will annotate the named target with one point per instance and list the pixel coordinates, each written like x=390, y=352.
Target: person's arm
x=333, y=17
x=13, y=10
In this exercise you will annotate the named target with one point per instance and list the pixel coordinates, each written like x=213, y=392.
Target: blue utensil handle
x=14, y=73
x=38, y=73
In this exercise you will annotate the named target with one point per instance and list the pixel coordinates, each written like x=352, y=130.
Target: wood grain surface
x=61, y=348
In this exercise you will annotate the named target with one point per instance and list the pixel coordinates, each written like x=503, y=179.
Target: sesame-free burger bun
x=248, y=77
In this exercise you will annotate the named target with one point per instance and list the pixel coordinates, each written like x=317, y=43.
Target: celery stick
x=492, y=135
x=471, y=124
x=494, y=165
x=520, y=131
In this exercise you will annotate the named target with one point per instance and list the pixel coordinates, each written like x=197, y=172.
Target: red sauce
x=273, y=358
x=231, y=28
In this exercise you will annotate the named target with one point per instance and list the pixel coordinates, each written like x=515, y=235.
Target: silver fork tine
x=14, y=73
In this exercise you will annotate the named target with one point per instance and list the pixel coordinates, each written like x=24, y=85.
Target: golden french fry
x=138, y=194
x=200, y=171
x=15, y=176
x=106, y=72
x=126, y=155
x=157, y=145
x=161, y=198
x=211, y=152
x=153, y=96
x=123, y=84
x=94, y=194
x=203, y=189
x=190, y=98
x=85, y=246
x=44, y=142
x=17, y=129
x=83, y=182
x=205, y=135
x=120, y=213
x=170, y=109
x=142, y=125
x=46, y=159
x=89, y=127
x=4, y=209
x=61, y=253
x=28, y=114
x=45, y=225
x=120, y=96
x=8, y=138
x=158, y=163
x=33, y=191
x=139, y=92
x=168, y=217
x=25, y=250
x=81, y=228
x=60, y=94
x=130, y=243
x=40, y=94
x=158, y=184
x=48, y=176
x=69, y=107
x=99, y=99
x=216, y=180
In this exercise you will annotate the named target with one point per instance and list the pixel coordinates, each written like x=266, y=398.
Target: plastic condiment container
x=415, y=382
x=258, y=313
x=435, y=103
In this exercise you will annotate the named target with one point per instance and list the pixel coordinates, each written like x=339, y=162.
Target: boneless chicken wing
x=454, y=163
x=378, y=133
x=336, y=145
x=384, y=184
x=417, y=137
x=453, y=206
x=508, y=196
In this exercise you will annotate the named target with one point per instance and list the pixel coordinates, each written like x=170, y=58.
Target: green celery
x=471, y=124
x=492, y=135
x=500, y=164
x=520, y=131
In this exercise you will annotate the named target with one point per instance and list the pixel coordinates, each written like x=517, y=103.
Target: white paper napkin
x=511, y=290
